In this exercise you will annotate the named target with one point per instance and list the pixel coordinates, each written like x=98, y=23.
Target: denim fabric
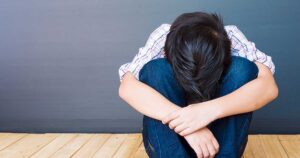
x=231, y=132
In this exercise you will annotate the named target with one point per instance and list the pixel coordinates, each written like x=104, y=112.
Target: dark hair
x=198, y=49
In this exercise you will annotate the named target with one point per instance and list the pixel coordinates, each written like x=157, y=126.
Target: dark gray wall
x=59, y=59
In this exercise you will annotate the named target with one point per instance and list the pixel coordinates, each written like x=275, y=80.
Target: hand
x=203, y=143
x=188, y=119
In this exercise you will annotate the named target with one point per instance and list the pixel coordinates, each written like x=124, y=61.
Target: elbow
x=274, y=92
x=126, y=86
x=125, y=89
x=122, y=91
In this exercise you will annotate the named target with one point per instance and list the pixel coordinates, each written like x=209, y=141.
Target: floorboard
x=106, y=145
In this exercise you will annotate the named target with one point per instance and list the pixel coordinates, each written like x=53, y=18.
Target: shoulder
x=165, y=26
x=161, y=29
x=231, y=28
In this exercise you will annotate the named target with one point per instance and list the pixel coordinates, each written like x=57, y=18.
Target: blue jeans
x=231, y=132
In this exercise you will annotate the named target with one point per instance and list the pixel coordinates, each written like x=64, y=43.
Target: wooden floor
x=15, y=145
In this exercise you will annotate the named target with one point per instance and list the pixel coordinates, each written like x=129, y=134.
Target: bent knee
x=155, y=69
x=242, y=70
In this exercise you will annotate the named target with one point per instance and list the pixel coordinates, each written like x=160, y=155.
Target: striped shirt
x=153, y=49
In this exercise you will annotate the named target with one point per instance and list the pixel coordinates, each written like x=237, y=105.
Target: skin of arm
x=242, y=100
x=144, y=98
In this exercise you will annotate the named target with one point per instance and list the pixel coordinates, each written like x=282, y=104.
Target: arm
x=147, y=102
x=243, y=99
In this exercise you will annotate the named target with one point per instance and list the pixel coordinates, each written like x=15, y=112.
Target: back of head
x=198, y=49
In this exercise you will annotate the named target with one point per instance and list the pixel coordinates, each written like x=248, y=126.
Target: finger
x=211, y=149
x=204, y=150
x=198, y=151
x=174, y=123
x=170, y=117
x=186, y=131
x=180, y=128
x=216, y=144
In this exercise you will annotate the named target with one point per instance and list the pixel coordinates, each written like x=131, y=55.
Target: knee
x=242, y=70
x=156, y=70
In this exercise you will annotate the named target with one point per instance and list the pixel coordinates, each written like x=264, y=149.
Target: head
x=198, y=49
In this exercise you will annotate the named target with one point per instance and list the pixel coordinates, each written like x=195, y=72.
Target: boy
x=197, y=83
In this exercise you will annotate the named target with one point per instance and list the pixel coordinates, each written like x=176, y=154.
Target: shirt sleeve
x=244, y=48
x=153, y=49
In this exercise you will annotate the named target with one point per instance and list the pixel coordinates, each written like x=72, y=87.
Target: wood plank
x=288, y=137
x=72, y=146
x=129, y=146
x=141, y=152
x=272, y=146
x=248, y=151
x=291, y=145
x=254, y=148
x=111, y=146
x=90, y=148
x=292, y=148
x=27, y=145
x=7, y=139
x=53, y=146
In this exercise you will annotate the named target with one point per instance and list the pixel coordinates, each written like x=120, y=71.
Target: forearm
x=144, y=98
x=250, y=97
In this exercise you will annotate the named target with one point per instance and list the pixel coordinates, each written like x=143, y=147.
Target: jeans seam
x=158, y=142
x=243, y=127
